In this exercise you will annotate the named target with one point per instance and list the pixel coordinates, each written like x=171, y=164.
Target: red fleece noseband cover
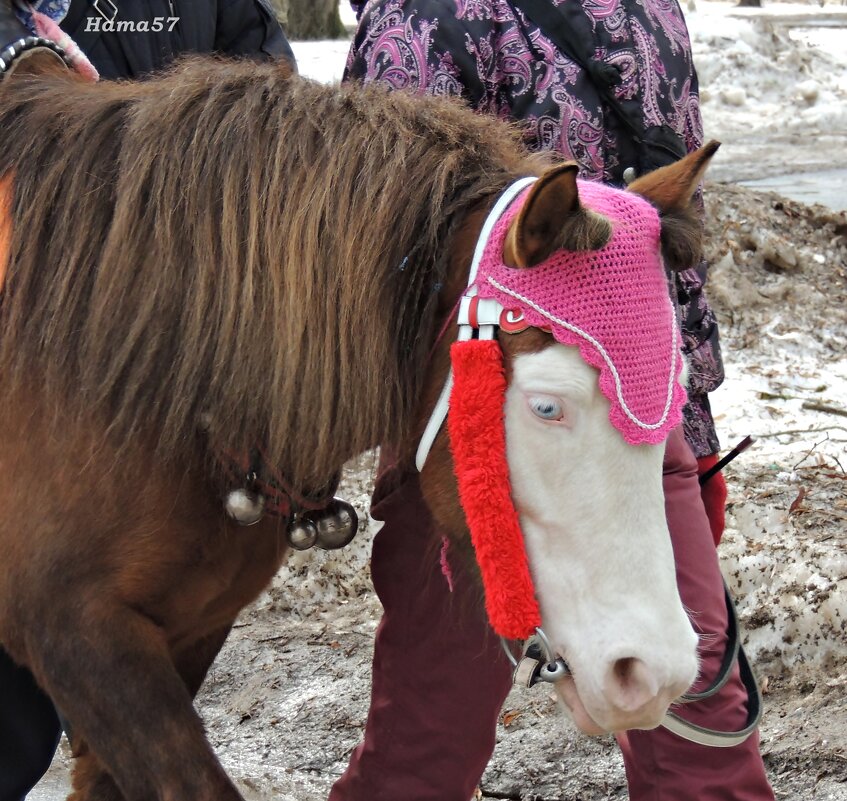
x=475, y=423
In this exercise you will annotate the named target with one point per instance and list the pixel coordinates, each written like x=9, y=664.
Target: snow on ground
x=773, y=86
x=752, y=73
x=779, y=285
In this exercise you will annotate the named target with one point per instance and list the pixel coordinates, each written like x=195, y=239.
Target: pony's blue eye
x=546, y=407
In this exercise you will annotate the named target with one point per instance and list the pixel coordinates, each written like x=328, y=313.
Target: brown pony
x=231, y=245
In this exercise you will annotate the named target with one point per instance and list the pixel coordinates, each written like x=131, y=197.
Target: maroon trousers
x=440, y=678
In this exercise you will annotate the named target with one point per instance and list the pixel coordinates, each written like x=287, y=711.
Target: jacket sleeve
x=11, y=28
x=250, y=28
x=701, y=346
x=701, y=343
x=419, y=46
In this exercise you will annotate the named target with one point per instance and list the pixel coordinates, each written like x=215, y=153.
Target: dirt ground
x=287, y=699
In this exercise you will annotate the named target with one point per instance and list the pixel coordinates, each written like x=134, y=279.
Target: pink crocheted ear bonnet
x=613, y=304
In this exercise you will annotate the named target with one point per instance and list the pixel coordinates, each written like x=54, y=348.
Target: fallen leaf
x=510, y=717
x=795, y=504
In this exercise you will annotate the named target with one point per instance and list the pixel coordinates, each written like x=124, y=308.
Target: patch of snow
x=322, y=60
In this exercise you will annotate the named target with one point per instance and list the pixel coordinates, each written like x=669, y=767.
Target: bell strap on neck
x=251, y=469
x=485, y=326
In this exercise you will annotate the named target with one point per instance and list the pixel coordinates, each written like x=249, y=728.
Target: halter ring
x=553, y=667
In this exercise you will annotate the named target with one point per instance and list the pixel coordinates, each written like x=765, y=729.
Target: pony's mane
x=231, y=242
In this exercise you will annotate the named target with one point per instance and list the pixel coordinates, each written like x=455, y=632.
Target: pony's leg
x=110, y=671
x=91, y=780
x=193, y=662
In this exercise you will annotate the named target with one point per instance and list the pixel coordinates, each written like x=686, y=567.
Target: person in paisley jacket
x=439, y=678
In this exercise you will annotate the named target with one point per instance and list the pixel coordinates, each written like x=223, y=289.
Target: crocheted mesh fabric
x=613, y=304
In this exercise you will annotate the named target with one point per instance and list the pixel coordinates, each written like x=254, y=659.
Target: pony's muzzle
x=633, y=690
x=629, y=685
x=636, y=691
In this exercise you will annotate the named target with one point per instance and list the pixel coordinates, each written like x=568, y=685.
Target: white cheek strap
x=483, y=316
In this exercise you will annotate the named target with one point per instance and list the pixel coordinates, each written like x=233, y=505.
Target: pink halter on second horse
x=612, y=304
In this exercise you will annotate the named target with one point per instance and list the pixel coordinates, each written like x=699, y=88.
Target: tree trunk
x=310, y=19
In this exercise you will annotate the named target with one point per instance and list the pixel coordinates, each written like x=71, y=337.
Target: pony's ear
x=671, y=189
x=552, y=219
x=38, y=61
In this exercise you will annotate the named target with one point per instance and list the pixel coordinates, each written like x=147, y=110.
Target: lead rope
x=734, y=651
x=538, y=663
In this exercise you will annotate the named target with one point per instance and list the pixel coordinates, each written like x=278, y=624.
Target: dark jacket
x=10, y=26
x=146, y=35
x=489, y=53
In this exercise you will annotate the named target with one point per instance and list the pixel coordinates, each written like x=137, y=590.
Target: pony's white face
x=592, y=511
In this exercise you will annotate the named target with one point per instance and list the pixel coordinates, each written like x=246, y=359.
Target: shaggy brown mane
x=228, y=241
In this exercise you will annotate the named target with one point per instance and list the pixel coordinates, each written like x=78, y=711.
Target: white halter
x=487, y=316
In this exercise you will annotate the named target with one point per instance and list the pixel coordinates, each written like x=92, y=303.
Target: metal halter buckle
x=538, y=661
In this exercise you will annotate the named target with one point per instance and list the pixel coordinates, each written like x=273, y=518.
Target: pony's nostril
x=622, y=669
x=632, y=684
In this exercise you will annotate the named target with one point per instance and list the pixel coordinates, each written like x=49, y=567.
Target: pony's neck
x=438, y=360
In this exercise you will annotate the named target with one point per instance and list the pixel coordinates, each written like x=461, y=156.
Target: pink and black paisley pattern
x=487, y=52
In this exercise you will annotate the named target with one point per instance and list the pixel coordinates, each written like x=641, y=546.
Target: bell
x=336, y=524
x=245, y=508
x=302, y=534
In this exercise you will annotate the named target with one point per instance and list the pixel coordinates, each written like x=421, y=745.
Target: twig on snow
x=810, y=451
x=800, y=431
x=814, y=406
